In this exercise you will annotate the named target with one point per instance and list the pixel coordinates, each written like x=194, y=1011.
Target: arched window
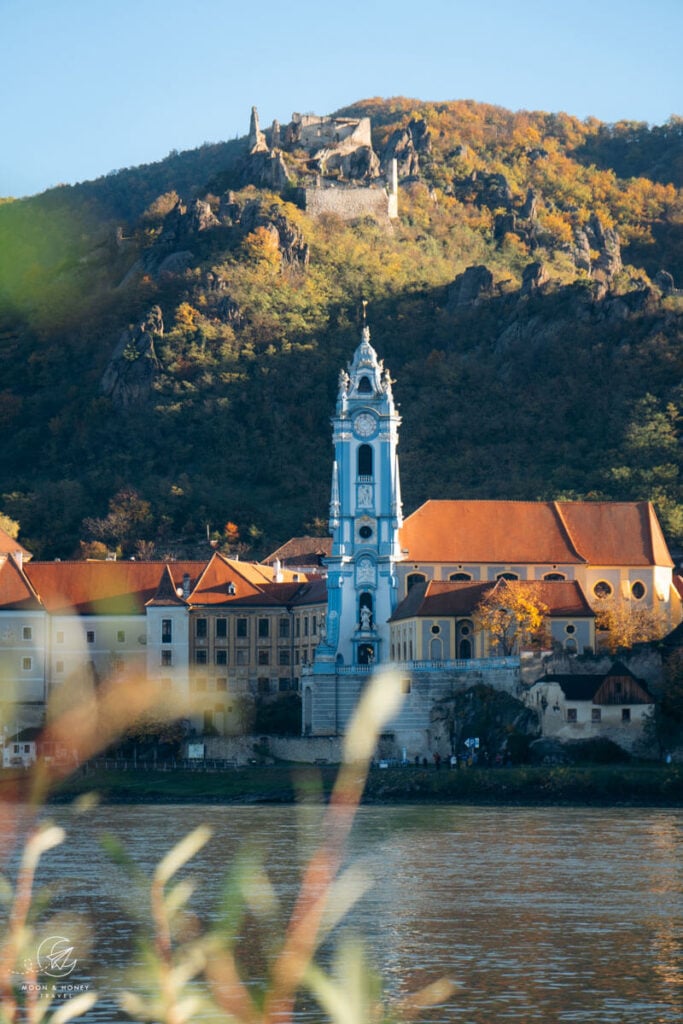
x=554, y=576
x=456, y=577
x=366, y=654
x=364, y=386
x=463, y=639
x=308, y=711
x=365, y=460
x=507, y=576
x=413, y=578
x=436, y=649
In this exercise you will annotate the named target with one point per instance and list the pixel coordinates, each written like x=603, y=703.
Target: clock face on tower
x=364, y=424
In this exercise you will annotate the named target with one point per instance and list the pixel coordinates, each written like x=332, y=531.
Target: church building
x=406, y=592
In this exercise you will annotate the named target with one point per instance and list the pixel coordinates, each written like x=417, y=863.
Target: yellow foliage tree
x=558, y=227
x=186, y=316
x=262, y=246
x=157, y=210
x=9, y=526
x=513, y=616
x=624, y=623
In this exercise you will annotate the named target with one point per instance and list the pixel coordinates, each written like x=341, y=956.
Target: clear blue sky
x=89, y=86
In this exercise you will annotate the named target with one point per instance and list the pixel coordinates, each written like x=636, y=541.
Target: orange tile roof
x=167, y=593
x=213, y=585
x=16, y=591
x=103, y=588
x=433, y=598
x=441, y=598
x=534, y=533
x=286, y=575
x=302, y=551
x=563, y=598
x=616, y=532
x=297, y=594
x=253, y=585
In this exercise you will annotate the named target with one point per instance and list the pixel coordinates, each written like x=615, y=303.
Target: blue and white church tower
x=365, y=518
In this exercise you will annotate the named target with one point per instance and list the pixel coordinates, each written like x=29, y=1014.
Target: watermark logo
x=55, y=957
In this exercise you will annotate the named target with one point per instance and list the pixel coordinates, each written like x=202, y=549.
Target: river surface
x=537, y=914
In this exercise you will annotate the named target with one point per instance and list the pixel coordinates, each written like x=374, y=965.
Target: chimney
x=186, y=585
x=19, y=558
x=277, y=571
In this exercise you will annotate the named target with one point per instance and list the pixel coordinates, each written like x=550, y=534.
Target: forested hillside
x=171, y=335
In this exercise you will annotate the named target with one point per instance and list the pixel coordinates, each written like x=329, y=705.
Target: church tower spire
x=365, y=515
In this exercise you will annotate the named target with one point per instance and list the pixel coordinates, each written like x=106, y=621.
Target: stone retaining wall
x=241, y=749
x=348, y=203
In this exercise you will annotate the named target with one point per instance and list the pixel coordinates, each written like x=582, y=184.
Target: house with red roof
x=209, y=632
x=24, y=631
x=245, y=630
x=613, y=704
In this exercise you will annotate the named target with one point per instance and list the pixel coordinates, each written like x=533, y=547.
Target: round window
x=638, y=590
x=602, y=589
x=436, y=629
x=365, y=532
x=570, y=629
x=465, y=631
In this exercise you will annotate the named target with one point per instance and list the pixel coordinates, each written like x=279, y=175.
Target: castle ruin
x=333, y=159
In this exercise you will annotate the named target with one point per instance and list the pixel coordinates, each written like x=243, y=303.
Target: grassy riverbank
x=287, y=783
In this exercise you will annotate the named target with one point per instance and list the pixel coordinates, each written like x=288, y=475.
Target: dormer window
x=413, y=578
x=364, y=386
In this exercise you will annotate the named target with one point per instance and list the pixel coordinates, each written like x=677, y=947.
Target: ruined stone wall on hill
x=348, y=203
x=314, y=132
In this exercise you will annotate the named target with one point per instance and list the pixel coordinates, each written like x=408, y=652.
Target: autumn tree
x=664, y=728
x=128, y=517
x=9, y=526
x=160, y=207
x=625, y=623
x=230, y=542
x=513, y=616
x=156, y=735
x=263, y=246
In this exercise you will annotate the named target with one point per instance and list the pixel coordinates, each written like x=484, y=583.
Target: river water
x=537, y=914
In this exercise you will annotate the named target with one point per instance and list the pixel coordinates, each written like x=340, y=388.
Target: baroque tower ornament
x=362, y=582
